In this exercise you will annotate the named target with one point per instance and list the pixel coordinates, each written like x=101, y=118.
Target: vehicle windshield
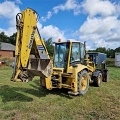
x=60, y=55
x=77, y=53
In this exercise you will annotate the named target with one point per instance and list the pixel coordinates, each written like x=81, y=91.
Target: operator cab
x=68, y=53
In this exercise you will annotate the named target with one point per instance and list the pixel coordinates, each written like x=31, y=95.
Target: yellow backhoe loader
x=69, y=69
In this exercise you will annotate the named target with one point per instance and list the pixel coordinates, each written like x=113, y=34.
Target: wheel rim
x=99, y=79
x=83, y=82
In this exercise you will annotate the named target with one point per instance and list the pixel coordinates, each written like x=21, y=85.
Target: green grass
x=28, y=101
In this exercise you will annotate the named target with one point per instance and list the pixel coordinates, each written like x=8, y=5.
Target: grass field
x=28, y=101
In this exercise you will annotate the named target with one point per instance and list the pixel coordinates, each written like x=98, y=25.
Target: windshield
x=77, y=53
x=59, y=57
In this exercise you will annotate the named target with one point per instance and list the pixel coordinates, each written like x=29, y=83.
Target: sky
x=95, y=21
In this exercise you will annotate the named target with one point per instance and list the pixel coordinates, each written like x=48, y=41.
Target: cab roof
x=69, y=40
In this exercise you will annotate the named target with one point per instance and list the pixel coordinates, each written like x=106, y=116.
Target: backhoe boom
x=31, y=56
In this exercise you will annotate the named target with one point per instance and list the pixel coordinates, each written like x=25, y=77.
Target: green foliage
x=0, y=45
x=6, y=39
x=12, y=38
x=117, y=49
x=49, y=46
x=110, y=62
x=3, y=37
x=110, y=53
x=101, y=49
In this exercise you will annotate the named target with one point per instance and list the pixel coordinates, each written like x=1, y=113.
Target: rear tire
x=83, y=82
x=106, y=77
x=98, y=80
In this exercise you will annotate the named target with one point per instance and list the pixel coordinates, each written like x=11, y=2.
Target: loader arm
x=31, y=55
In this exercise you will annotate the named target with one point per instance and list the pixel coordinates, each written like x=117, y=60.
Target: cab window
x=75, y=53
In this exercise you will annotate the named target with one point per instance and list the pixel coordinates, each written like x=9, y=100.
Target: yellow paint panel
x=29, y=20
x=79, y=68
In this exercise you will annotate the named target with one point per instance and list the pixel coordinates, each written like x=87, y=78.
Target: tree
x=3, y=37
x=110, y=53
x=101, y=49
x=49, y=46
x=117, y=49
x=6, y=39
x=12, y=38
x=0, y=45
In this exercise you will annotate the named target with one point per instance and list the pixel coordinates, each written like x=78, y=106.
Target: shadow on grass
x=61, y=92
x=9, y=93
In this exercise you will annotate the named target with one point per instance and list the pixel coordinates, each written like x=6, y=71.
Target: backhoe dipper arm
x=31, y=56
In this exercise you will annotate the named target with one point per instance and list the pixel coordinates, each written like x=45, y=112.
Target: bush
x=110, y=62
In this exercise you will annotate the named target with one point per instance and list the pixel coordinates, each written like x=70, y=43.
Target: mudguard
x=96, y=72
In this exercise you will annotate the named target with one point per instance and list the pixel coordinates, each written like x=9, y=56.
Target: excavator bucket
x=40, y=67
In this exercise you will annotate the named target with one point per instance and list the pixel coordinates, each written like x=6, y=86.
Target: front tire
x=83, y=82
